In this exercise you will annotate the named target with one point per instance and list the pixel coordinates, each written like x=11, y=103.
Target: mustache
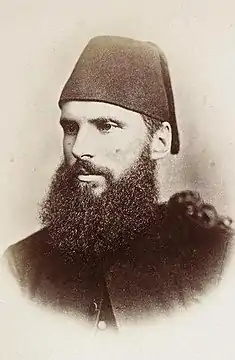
x=86, y=167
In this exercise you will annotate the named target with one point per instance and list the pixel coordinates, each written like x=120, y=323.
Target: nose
x=83, y=146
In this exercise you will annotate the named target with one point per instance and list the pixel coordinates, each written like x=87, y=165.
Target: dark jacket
x=171, y=264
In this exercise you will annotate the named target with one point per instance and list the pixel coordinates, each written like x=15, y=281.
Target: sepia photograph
x=117, y=194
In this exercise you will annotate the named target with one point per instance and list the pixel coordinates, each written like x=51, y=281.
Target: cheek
x=131, y=150
x=123, y=157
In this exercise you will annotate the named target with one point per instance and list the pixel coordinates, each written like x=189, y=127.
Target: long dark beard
x=81, y=223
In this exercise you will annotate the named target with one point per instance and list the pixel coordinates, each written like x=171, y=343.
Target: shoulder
x=189, y=205
x=186, y=210
x=29, y=246
x=197, y=242
x=22, y=257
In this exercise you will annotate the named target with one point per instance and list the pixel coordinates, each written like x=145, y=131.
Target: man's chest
x=126, y=293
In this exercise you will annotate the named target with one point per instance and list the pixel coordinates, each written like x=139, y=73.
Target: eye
x=105, y=126
x=69, y=127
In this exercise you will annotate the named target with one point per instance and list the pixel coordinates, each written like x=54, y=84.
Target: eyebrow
x=94, y=120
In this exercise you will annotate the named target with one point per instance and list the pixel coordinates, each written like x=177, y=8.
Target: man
x=108, y=250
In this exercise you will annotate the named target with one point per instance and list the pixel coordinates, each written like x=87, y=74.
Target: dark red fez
x=125, y=72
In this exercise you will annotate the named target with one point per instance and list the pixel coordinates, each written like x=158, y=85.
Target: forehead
x=84, y=110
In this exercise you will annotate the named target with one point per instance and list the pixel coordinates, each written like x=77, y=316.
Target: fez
x=125, y=72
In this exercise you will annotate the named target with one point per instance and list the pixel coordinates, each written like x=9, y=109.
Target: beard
x=93, y=227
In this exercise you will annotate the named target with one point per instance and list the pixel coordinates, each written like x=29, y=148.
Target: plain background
x=40, y=42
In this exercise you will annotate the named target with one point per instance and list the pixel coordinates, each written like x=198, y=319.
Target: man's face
x=105, y=192
x=106, y=138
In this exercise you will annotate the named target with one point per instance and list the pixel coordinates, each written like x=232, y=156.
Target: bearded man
x=108, y=249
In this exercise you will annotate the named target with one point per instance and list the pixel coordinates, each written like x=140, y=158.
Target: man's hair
x=152, y=124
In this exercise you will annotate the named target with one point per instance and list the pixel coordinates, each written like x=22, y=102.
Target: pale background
x=40, y=43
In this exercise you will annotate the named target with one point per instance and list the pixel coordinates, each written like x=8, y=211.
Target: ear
x=161, y=141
